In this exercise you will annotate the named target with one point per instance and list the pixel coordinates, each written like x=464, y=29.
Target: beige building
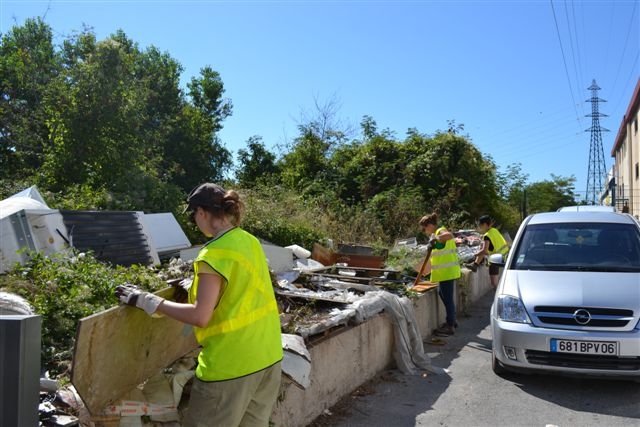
x=626, y=151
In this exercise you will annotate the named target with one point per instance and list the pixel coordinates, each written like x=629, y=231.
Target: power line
x=611, y=27
x=581, y=65
x=564, y=60
x=615, y=32
x=632, y=73
x=573, y=51
x=624, y=49
x=540, y=123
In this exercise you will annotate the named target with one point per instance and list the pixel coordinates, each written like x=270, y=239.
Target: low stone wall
x=343, y=362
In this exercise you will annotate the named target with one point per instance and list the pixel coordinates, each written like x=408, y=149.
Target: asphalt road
x=472, y=395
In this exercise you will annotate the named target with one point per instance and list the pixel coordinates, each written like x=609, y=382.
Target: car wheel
x=497, y=367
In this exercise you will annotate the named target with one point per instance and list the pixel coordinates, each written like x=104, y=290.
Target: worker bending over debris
x=233, y=309
x=445, y=269
x=492, y=243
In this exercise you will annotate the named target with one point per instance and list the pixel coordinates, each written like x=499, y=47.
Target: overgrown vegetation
x=65, y=287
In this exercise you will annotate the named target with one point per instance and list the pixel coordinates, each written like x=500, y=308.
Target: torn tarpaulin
x=409, y=352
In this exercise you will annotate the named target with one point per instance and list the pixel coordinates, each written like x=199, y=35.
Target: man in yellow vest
x=492, y=243
x=235, y=316
x=445, y=269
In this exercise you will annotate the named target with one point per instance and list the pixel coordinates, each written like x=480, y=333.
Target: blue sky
x=514, y=73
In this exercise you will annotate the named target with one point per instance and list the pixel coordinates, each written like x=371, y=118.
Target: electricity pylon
x=597, y=173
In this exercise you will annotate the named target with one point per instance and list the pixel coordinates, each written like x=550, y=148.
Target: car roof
x=581, y=216
x=587, y=208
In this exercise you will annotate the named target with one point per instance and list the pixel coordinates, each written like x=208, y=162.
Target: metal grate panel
x=114, y=237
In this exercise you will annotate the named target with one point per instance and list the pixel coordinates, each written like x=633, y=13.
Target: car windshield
x=603, y=247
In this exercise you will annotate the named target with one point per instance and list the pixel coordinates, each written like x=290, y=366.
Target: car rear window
x=579, y=246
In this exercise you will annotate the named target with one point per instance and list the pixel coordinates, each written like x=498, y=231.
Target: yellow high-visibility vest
x=243, y=335
x=500, y=245
x=444, y=262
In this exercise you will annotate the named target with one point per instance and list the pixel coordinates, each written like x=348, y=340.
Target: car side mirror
x=497, y=259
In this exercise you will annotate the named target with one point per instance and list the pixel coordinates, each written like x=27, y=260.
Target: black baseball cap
x=206, y=195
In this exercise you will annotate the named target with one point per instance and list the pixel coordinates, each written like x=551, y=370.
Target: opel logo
x=582, y=316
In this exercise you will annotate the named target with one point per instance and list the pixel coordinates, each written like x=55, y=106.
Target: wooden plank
x=120, y=348
x=423, y=286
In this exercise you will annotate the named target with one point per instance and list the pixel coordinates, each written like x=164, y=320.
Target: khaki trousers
x=246, y=401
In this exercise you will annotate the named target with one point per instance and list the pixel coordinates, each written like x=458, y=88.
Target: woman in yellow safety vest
x=492, y=243
x=445, y=269
x=232, y=307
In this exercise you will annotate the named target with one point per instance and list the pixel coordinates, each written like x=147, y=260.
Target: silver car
x=568, y=300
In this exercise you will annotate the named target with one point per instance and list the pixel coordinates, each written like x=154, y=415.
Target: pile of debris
x=316, y=302
x=319, y=292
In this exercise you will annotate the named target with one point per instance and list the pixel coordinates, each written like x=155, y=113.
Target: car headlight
x=511, y=309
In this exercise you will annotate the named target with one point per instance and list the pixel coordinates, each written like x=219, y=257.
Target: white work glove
x=135, y=297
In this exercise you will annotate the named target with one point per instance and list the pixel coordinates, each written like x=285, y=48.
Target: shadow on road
x=392, y=398
x=600, y=396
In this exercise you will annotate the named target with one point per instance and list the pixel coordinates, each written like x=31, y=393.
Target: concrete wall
x=342, y=363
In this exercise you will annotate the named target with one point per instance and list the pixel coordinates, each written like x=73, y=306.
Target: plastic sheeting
x=296, y=363
x=408, y=348
x=12, y=304
x=408, y=351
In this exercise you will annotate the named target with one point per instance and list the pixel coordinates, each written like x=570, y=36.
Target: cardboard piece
x=122, y=347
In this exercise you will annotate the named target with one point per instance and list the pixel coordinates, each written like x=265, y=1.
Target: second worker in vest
x=492, y=243
x=445, y=269
x=233, y=309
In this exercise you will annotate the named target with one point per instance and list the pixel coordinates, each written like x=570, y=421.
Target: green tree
x=512, y=183
x=28, y=64
x=206, y=93
x=193, y=152
x=200, y=151
x=94, y=122
x=342, y=175
x=369, y=127
x=457, y=180
x=512, y=186
x=363, y=168
x=398, y=211
x=306, y=164
x=108, y=116
x=256, y=163
x=549, y=195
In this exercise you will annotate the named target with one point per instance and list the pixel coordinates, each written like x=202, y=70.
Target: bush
x=9, y=187
x=65, y=287
x=282, y=217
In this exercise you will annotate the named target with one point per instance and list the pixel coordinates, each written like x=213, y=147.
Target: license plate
x=605, y=348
